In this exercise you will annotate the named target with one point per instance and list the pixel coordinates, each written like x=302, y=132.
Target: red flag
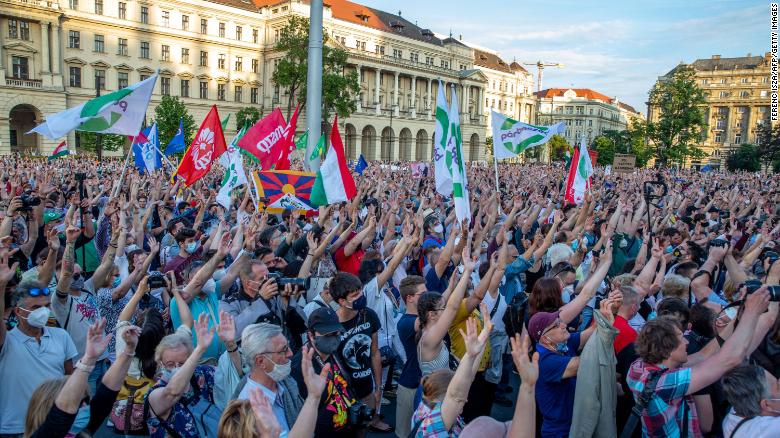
x=289, y=141
x=208, y=145
x=265, y=139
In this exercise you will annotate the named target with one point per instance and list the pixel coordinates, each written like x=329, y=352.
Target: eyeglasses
x=282, y=351
x=37, y=292
x=555, y=325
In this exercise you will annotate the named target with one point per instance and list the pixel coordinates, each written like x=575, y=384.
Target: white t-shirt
x=79, y=313
x=498, y=316
x=379, y=302
x=758, y=427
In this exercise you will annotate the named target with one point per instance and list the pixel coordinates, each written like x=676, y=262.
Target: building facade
x=586, y=113
x=738, y=101
x=55, y=55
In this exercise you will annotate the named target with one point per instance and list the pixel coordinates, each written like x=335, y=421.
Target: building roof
x=587, y=93
x=491, y=61
x=627, y=107
x=517, y=67
x=239, y=4
x=716, y=62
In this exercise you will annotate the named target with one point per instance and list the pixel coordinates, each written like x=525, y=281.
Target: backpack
x=128, y=411
x=514, y=317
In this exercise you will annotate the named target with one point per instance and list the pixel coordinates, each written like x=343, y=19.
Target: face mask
x=360, y=303
x=209, y=287
x=191, y=247
x=130, y=248
x=575, y=244
x=280, y=372
x=117, y=281
x=562, y=348
x=167, y=374
x=38, y=317
x=77, y=283
x=81, y=421
x=326, y=344
x=219, y=274
x=438, y=228
x=363, y=213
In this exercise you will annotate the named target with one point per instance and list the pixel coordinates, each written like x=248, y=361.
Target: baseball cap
x=324, y=320
x=51, y=216
x=539, y=322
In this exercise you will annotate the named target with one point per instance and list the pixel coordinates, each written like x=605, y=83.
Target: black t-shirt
x=355, y=351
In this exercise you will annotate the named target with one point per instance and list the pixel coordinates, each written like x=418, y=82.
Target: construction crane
x=540, y=67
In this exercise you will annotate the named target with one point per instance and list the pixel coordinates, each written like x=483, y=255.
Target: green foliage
x=489, y=147
x=558, y=148
x=745, y=158
x=629, y=141
x=109, y=142
x=339, y=86
x=247, y=116
x=681, y=120
x=768, y=144
x=167, y=116
x=606, y=149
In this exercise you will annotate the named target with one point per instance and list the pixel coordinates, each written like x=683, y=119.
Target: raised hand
x=224, y=244
x=758, y=301
x=315, y=383
x=527, y=368
x=131, y=336
x=7, y=273
x=53, y=240
x=226, y=329
x=265, y=419
x=97, y=340
x=204, y=333
x=469, y=263
x=72, y=233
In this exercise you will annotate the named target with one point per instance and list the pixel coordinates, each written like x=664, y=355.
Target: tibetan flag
x=265, y=139
x=176, y=145
x=361, y=165
x=334, y=181
x=289, y=141
x=580, y=172
x=208, y=145
x=146, y=150
x=285, y=190
x=60, y=151
x=121, y=112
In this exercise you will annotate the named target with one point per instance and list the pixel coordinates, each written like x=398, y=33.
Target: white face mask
x=209, y=287
x=363, y=213
x=438, y=228
x=38, y=317
x=280, y=371
x=219, y=274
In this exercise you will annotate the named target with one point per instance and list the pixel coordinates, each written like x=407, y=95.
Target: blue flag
x=176, y=144
x=146, y=149
x=361, y=165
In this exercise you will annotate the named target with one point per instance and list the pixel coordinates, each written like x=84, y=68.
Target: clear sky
x=616, y=47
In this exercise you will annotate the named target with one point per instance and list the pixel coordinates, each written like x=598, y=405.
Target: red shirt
x=351, y=263
x=626, y=334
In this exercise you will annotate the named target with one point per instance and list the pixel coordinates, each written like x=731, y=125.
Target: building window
x=253, y=95
x=185, y=22
x=738, y=138
x=720, y=124
x=361, y=45
x=379, y=49
x=166, y=18
x=73, y=4
x=221, y=61
x=166, y=53
x=744, y=94
x=144, y=77
x=724, y=94
x=144, y=14
x=763, y=93
x=222, y=30
x=718, y=138
x=185, y=88
x=414, y=57
x=75, y=77
x=122, y=79
x=238, y=93
x=100, y=45
x=255, y=65
x=122, y=47
x=165, y=86
x=276, y=35
x=569, y=110
x=239, y=33
x=239, y=63
x=745, y=80
x=398, y=53
x=21, y=67
x=74, y=39
x=221, y=91
x=445, y=64
x=185, y=56
x=100, y=79
x=204, y=90
x=122, y=10
x=204, y=58
x=144, y=50
x=99, y=7
x=255, y=36
x=204, y=26
x=13, y=29
x=428, y=60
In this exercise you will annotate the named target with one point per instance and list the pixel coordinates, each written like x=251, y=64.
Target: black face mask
x=327, y=344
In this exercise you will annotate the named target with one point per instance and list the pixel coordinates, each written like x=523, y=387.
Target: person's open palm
x=265, y=419
x=226, y=329
x=527, y=368
x=7, y=272
x=204, y=333
x=97, y=340
x=315, y=383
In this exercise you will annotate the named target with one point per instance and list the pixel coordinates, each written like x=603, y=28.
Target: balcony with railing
x=23, y=83
x=45, y=4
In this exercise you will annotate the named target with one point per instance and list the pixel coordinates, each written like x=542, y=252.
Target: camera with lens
x=719, y=243
x=303, y=283
x=359, y=414
x=156, y=280
x=754, y=285
x=29, y=201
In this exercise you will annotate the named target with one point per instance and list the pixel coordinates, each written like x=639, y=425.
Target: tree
x=167, y=116
x=87, y=141
x=768, y=143
x=558, y=148
x=745, y=158
x=489, y=146
x=680, y=124
x=606, y=149
x=247, y=116
x=339, y=86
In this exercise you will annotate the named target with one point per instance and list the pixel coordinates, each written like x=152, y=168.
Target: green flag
x=225, y=122
x=302, y=141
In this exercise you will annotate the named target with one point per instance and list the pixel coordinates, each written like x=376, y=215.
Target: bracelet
x=129, y=353
x=310, y=255
x=84, y=367
x=233, y=350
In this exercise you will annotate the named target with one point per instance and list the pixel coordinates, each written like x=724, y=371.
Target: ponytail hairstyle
x=427, y=303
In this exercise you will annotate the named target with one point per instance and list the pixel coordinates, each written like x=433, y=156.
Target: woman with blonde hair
x=254, y=418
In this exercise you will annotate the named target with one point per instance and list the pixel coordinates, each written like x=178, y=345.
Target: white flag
x=233, y=163
x=441, y=158
x=578, y=181
x=511, y=138
x=121, y=112
x=460, y=189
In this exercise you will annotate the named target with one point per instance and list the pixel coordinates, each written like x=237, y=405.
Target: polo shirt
x=24, y=364
x=626, y=334
x=555, y=394
x=209, y=305
x=274, y=398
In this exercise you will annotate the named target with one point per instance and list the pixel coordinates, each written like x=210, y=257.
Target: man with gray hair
x=754, y=395
x=266, y=351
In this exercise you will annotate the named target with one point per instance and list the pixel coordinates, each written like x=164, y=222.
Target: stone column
x=56, y=48
x=465, y=101
x=750, y=137
x=413, y=109
x=481, y=105
x=378, y=78
x=430, y=102
x=360, y=84
x=395, y=96
x=44, y=48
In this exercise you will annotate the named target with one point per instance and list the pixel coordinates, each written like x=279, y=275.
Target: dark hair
x=408, y=286
x=676, y=308
x=262, y=251
x=184, y=234
x=703, y=320
x=657, y=340
x=671, y=231
x=690, y=267
x=696, y=252
x=370, y=267
x=427, y=303
x=131, y=256
x=545, y=296
x=266, y=236
x=342, y=284
x=292, y=269
x=152, y=332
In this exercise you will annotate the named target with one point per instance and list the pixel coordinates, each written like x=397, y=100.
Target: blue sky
x=616, y=47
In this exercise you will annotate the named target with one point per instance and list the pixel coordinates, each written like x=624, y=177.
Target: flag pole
x=124, y=168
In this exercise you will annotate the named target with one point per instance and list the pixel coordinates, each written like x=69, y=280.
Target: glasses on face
x=37, y=292
x=172, y=365
x=282, y=351
x=555, y=325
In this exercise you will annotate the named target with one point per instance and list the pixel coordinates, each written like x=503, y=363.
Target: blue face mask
x=669, y=249
x=575, y=244
x=81, y=421
x=562, y=348
x=192, y=247
x=116, y=282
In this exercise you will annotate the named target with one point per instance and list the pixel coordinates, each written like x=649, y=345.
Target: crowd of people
x=135, y=306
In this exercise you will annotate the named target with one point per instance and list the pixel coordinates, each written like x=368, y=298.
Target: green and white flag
x=460, y=189
x=442, y=160
x=302, y=141
x=314, y=160
x=234, y=170
x=121, y=112
x=511, y=138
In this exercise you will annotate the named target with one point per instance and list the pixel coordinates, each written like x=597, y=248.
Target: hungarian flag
x=60, y=151
x=289, y=141
x=334, y=182
x=580, y=172
x=265, y=139
x=208, y=145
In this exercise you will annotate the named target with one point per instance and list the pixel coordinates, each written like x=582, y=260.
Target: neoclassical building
x=509, y=88
x=55, y=55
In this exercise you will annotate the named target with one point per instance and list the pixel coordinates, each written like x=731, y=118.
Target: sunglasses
x=37, y=292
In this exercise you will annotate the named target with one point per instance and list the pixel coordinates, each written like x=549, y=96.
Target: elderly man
x=258, y=300
x=268, y=354
x=754, y=395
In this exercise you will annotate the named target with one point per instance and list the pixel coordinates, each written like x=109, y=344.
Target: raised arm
x=46, y=272
x=573, y=308
x=434, y=334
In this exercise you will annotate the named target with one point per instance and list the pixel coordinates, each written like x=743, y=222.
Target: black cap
x=324, y=320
